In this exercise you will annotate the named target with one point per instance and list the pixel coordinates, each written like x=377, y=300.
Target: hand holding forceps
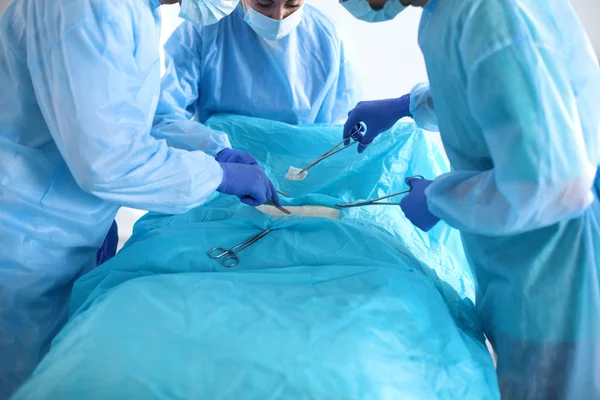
x=358, y=129
x=229, y=257
x=378, y=202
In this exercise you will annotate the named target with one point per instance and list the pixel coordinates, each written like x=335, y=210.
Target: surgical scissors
x=377, y=201
x=231, y=258
x=359, y=128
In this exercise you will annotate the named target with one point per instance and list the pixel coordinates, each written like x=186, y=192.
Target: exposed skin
x=275, y=9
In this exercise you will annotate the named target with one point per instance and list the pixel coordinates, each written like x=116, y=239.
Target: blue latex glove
x=249, y=183
x=109, y=248
x=236, y=157
x=378, y=116
x=414, y=205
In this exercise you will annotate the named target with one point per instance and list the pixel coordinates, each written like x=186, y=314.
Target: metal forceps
x=282, y=209
x=229, y=257
x=359, y=128
x=378, y=202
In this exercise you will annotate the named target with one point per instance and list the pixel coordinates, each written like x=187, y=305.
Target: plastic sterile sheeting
x=348, y=177
x=318, y=308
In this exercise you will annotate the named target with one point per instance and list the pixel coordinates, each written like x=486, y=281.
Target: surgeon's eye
x=292, y=4
x=265, y=3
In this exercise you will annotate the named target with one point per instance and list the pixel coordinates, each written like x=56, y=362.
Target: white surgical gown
x=309, y=76
x=79, y=83
x=515, y=89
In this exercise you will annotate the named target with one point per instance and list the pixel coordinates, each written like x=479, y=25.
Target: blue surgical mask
x=362, y=10
x=206, y=12
x=273, y=29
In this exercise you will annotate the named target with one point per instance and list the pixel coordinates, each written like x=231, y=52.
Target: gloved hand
x=236, y=157
x=378, y=116
x=414, y=205
x=109, y=248
x=249, y=183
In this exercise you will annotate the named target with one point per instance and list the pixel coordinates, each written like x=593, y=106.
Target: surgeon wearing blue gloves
x=280, y=60
x=79, y=84
x=515, y=98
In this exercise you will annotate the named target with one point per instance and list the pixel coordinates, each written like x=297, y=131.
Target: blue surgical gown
x=514, y=88
x=309, y=76
x=79, y=84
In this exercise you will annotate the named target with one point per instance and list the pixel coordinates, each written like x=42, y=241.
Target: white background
x=390, y=48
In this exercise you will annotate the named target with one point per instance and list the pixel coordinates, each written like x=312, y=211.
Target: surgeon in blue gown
x=273, y=59
x=79, y=84
x=514, y=90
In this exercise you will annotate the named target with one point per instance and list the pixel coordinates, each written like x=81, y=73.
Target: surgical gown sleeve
x=99, y=105
x=519, y=93
x=173, y=120
x=422, y=108
x=348, y=88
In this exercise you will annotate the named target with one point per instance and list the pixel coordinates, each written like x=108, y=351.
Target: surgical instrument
x=354, y=135
x=283, y=210
x=377, y=201
x=230, y=257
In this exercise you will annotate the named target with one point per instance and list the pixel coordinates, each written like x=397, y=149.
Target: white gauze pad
x=293, y=174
